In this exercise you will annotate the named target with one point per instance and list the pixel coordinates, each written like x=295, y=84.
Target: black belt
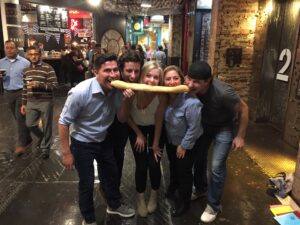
x=12, y=91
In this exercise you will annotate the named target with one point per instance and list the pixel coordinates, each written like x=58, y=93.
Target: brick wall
x=233, y=25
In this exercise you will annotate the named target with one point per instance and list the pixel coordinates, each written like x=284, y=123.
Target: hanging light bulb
x=94, y=3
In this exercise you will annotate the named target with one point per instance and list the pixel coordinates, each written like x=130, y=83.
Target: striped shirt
x=45, y=75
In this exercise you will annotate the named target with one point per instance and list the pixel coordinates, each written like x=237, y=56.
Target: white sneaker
x=209, y=214
x=85, y=223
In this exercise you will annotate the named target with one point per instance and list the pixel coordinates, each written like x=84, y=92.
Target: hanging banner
x=47, y=35
x=57, y=37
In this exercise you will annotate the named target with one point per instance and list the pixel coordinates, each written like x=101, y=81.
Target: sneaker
x=209, y=214
x=197, y=194
x=123, y=211
x=85, y=223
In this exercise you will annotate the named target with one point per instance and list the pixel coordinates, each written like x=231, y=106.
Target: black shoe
x=45, y=155
x=180, y=208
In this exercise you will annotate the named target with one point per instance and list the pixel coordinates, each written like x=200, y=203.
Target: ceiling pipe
x=184, y=63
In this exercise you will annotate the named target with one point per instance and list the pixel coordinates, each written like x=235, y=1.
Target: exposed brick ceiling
x=133, y=7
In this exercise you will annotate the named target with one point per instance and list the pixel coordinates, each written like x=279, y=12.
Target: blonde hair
x=175, y=68
x=148, y=66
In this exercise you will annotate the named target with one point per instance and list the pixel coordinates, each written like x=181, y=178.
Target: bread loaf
x=149, y=88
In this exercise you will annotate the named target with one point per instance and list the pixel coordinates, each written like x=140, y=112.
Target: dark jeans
x=181, y=174
x=14, y=100
x=221, y=138
x=35, y=111
x=145, y=160
x=84, y=155
x=118, y=134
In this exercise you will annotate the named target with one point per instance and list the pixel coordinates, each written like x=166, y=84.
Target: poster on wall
x=52, y=19
x=16, y=34
x=13, y=14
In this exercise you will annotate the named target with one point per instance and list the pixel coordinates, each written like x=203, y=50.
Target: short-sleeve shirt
x=220, y=103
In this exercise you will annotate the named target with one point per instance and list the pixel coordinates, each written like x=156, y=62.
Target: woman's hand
x=180, y=152
x=140, y=143
x=156, y=152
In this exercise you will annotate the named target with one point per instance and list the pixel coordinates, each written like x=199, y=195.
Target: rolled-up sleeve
x=71, y=108
x=194, y=130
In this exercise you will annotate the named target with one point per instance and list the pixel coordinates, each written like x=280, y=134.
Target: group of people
x=28, y=89
x=185, y=124
x=104, y=118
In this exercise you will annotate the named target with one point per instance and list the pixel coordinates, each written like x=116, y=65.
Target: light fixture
x=146, y=4
x=94, y=3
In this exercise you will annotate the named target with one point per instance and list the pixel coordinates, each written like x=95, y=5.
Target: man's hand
x=32, y=84
x=23, y=109
x=68, y=161
x=128, y=94
x=238, y=143
x=180, y=152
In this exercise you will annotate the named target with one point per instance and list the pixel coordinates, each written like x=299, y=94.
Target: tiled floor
x=41, y=192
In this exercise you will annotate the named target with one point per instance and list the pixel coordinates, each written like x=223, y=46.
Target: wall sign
x=285, y=54
x=52, y=19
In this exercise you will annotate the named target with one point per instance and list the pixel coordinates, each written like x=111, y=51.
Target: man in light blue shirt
x=91, y=107
x=14, y=66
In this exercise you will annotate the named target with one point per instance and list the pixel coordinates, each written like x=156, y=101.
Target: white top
x=144, y=117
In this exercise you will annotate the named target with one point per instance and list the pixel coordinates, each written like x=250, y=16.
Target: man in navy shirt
x=91, y=107
x=14, y=66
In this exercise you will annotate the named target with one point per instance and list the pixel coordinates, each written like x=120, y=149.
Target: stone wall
x=233, y=25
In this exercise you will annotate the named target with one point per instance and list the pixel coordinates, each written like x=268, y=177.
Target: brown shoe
x=20, y=150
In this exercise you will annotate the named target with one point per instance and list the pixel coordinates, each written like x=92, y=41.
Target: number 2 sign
x=280, y=75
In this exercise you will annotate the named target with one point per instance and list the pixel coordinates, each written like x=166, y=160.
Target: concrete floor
x=41, y=192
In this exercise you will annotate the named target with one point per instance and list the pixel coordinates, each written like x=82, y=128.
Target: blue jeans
x=221, y=139
x=84, y=155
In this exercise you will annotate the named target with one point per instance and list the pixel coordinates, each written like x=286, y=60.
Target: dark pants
x=14, y=100
x=35, y=111
x=145, y=160
x=181, y=175
x=84, y=155
x=118, y=134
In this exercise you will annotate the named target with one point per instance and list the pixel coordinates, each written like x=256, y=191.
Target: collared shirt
x=90, y=111
x=45, y=75
x=183, y=121
x=13, y=80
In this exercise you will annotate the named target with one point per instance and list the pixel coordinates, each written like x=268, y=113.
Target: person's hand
x=238, y=143
x=156, y=152
x=140, y=143
x=68, y=161
x=180, y=152
x=128, y=94
x=23, y=109
x=32, y=84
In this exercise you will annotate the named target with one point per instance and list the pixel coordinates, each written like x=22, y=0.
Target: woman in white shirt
x=146, y=121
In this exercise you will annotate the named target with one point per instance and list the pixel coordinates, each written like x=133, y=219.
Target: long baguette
x=145, y=87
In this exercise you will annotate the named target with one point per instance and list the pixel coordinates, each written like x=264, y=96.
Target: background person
x=14, y=66
x=37, y=98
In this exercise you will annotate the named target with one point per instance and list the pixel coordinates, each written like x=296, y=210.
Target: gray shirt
x=219, y=102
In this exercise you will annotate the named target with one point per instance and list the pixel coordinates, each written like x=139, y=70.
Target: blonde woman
x=146, y=123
